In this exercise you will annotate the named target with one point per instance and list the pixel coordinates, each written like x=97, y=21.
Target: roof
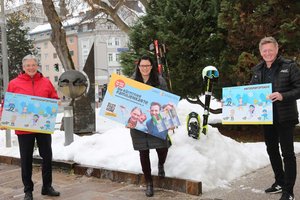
x=47, y=27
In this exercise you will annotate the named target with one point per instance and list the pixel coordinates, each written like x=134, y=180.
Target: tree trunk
x=58, y=35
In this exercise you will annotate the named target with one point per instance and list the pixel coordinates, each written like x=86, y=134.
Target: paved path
x=251, y=187
x=75, y=187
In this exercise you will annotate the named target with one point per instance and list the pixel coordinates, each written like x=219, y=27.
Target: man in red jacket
x=32, y=82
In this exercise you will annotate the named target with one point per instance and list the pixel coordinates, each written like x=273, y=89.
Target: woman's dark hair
x=153, y=78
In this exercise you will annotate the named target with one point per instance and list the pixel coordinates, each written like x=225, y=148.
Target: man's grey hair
x=30, y=57
x=267, y=40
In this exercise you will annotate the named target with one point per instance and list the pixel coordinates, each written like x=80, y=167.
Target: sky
x=214, y=159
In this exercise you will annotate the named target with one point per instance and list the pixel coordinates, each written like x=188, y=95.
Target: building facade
x=107, y=39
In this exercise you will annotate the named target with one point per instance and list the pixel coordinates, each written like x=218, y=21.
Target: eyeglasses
x=145, y=66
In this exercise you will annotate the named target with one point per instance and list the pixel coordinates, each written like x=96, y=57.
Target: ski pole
x=159, y=64
x=208, y=94
x=167, y=67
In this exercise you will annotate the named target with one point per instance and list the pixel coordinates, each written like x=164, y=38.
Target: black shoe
x=50, y=191
x=275, y=188
x=161, y=171
x=287, y=196
x=149, y=190
x=28, y=196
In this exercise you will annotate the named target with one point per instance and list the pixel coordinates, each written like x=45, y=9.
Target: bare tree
x=58, y=36
x=112, y=10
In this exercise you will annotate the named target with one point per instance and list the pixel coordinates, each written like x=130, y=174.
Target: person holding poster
x=146, y=72
x=285, y=78
x=32, y=82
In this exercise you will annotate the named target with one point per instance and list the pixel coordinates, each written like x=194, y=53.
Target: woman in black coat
x=146, y=72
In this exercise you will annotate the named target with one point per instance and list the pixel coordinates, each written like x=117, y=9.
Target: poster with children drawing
x=29, y=113
x=140, y=106
x=247, y=104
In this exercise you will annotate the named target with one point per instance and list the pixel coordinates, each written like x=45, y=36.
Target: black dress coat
x=144, y=141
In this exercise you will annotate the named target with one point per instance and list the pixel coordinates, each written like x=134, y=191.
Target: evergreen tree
x=246, y=22
x=189, y=31
x=18, y=44
x=223, y=33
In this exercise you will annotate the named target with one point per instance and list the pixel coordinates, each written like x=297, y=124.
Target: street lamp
x=72, y=84
x=4, y=61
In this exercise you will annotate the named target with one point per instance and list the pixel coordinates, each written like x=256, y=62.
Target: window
x=109, y=42
x=118, y=71
x=46, y=56
x=118, y=57
x=110, y=57
x=85, y=44
x=117, y=42
x=54, y=55
x=84, y=58
x=72, y=53
x=91, y=26
x=47, y=67
x=84, y=28
x=55, y=78
x=45, y=45
x=71, y=40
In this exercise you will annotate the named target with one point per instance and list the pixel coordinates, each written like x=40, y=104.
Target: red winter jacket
x=36, y=86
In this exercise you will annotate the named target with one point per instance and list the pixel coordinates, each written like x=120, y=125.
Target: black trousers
x=285, y=170
x=145, y=161
x=26, y=146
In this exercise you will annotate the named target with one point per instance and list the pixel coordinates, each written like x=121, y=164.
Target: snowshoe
x=193, y=125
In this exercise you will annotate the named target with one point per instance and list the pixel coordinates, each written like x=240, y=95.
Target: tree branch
x=102, y=6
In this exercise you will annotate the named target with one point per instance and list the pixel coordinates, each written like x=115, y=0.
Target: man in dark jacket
x=285, y=78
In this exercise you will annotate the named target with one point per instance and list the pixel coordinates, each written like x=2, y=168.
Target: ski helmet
x=210, y=72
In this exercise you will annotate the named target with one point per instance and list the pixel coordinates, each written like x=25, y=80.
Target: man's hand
x=275, y=96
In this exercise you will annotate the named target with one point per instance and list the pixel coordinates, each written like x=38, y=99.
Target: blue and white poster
x=29, y=113
x=140, y=106
x=247, y=104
